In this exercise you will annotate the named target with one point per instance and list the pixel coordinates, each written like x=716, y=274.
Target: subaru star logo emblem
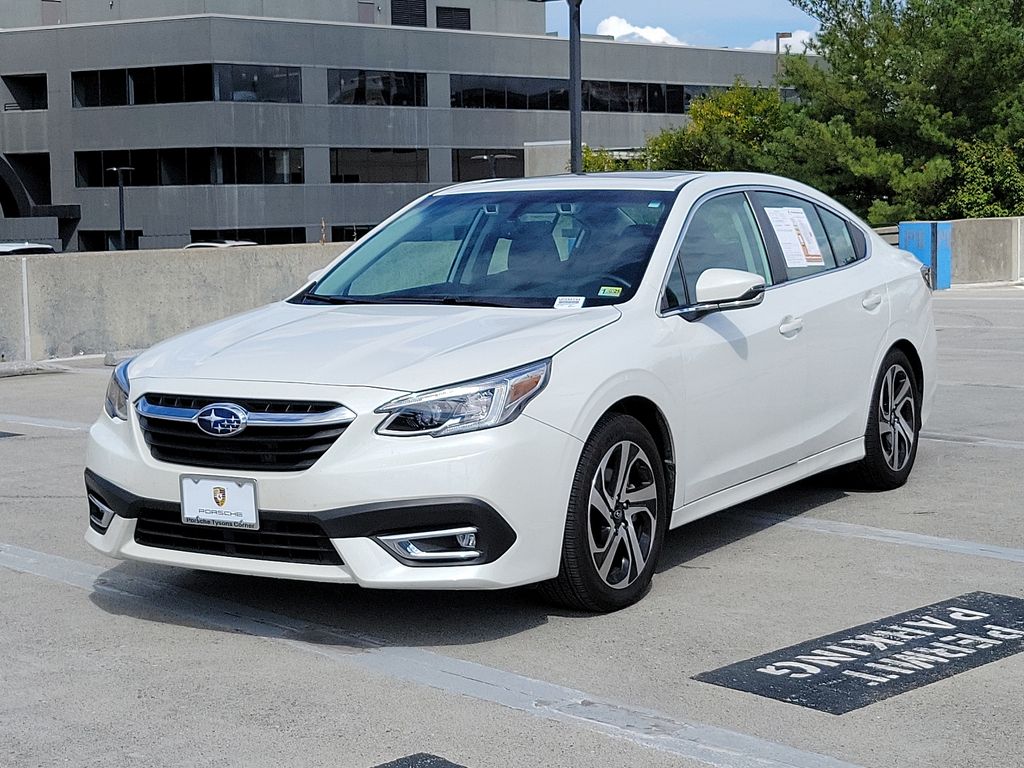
x=222, y=419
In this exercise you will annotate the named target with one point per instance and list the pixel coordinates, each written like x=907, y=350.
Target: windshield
x=515, y=249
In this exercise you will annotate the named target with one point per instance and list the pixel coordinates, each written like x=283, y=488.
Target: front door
x=741, y=375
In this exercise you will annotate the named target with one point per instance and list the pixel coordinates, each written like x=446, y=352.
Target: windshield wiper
x=321, y=299
x=450, y=300
x=462, y=301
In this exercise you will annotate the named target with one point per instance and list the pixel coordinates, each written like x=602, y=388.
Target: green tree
x=730, y=130
x=909, y=109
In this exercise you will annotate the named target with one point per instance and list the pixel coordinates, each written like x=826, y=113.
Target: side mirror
x=723, y=289
x=315, y=275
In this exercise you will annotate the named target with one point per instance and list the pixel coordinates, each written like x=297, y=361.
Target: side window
x=839, y=237
x=722, y=234
x=798, y=233
x=675, y=290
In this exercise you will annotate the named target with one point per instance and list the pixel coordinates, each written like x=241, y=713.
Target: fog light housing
x=100, y=515
x=452, y=546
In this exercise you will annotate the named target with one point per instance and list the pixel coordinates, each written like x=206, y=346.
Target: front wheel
x=894, y=426
x=616, y=520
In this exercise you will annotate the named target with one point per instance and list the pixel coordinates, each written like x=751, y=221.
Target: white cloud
x=620, y=29
x=796, y=44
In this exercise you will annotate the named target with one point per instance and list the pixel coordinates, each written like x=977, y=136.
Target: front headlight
x=116, y=402
x=478, y=404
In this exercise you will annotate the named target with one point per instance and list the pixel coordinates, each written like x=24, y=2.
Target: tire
x=613, y=530
x=893, y=428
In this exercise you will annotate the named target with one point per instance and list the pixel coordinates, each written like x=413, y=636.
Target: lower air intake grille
x=289, y=541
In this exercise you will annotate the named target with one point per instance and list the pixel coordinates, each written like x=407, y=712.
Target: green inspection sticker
x=607, y=290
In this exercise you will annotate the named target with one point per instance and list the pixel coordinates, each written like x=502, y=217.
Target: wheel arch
x=906, y=347
x=648, y=413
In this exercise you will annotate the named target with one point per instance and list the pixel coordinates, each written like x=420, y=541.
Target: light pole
x=779, y=37
x=575, y=87
x=120, y=170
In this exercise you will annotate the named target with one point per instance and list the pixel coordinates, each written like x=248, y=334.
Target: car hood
x=402, y=347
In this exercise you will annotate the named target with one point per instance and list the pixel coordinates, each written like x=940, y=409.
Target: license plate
x=219, y=502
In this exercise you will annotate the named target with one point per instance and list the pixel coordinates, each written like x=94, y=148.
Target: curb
x=28, y=369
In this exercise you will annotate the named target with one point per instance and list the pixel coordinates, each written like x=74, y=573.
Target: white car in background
x=523, y=381
x=24, y=249
x=220, y=244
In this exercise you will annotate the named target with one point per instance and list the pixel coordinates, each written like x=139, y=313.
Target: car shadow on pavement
x=736, y=523
x=349, y=615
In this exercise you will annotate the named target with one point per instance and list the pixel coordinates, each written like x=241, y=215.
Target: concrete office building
x=263, y=118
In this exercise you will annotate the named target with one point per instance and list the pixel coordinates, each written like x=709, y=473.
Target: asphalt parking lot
x=105, y=663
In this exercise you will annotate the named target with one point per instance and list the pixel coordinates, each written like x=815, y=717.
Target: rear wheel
x=894, y=425
x=616, y=520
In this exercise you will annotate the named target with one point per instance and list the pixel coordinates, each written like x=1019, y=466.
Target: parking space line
x=904, y=538
x=34, y=421
x=986, y=442
x=717, y=747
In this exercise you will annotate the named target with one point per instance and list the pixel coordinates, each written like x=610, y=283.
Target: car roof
x=646, y=180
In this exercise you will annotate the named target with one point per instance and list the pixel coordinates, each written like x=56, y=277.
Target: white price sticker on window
x=796, y=238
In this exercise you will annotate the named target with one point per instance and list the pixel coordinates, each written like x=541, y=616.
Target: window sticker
x=569, y=302
x=793, y=231
x=610, y=291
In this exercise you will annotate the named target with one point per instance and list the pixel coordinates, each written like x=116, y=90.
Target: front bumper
x=512, y=483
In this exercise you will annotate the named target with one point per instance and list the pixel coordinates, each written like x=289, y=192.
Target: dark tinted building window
x=108, y=240
x=495, y=92
x=179, y=83
x=191, y=166
x=675, y=99
x=258, y=83
x=409, y=13
x=374, y=87
x=691, y=92
x=379, y=166
x=85, y=89
x=452, y=18
x=28, y=92
x=349, y=233
x=472, y=164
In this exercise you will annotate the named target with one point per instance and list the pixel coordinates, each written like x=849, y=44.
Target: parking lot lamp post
x=120, y=171
x=575, y=88
x=779, y=37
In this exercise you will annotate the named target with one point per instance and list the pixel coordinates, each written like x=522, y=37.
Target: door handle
x=791, y=326
x=872, y=301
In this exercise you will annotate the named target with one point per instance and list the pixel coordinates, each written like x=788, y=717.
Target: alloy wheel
x=897, y=417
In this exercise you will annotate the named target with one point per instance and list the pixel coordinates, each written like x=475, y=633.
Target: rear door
x=840, y=306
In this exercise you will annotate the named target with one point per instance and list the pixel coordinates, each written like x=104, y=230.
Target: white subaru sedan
x=523, y=382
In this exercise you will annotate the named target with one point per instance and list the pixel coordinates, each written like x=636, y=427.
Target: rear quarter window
x=840, y=237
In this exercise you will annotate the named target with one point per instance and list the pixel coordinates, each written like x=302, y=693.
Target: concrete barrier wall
x=979, y=250
x=12, y=331
x=986, y=250
x=85, y=303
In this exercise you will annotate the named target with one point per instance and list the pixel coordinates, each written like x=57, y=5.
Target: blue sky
x=732, y=23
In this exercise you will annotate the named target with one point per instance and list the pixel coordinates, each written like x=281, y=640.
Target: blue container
x=932, y=243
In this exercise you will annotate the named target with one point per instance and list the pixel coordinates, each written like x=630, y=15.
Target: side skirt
x=812, y=465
